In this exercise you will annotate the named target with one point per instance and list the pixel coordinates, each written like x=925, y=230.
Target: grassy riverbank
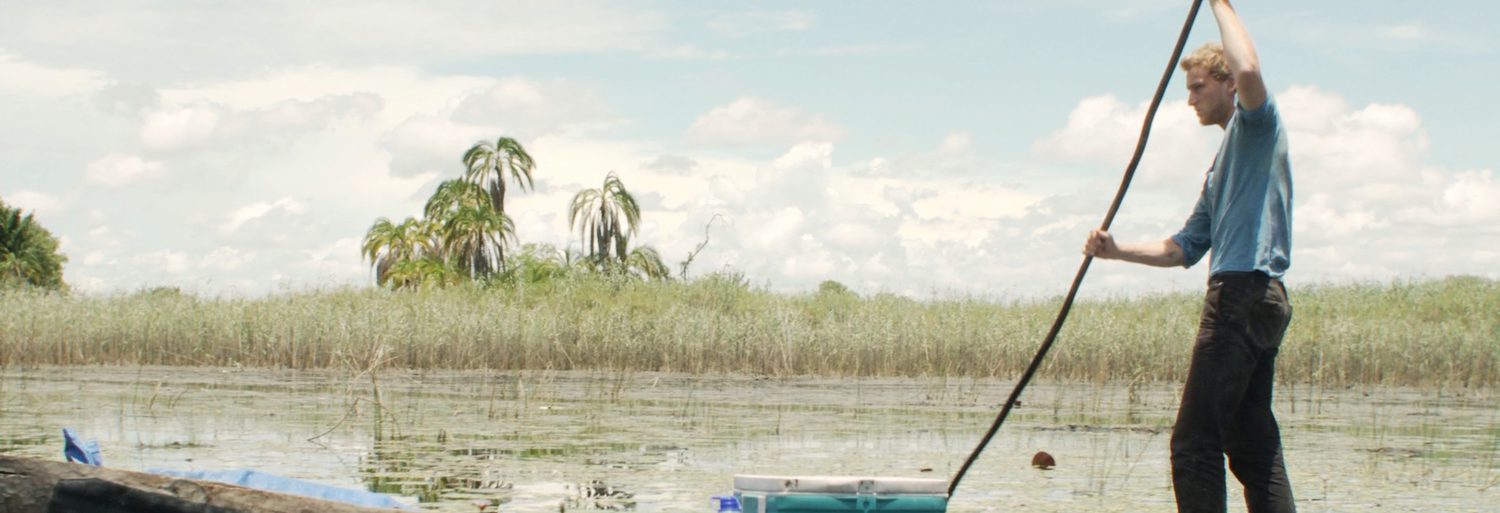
x=1431, y=333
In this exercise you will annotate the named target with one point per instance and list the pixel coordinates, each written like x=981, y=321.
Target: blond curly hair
x=1209, y=57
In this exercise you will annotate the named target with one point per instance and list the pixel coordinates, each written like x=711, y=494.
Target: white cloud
x=672, y=165
x=315, y=114
x=749, y=23
x=686, y=52
x=1365, y=193
x=429, y=144
x=334, y=264
x=126, y=98
x=779, y=229
x=1419, y=33
x=102, y=236
x=42, y=204
x=948, y=200
x=750, y=120
x=345, y=128
x=1098, y=127
x=231, y=39
x=257, y=210
x=1367, y=161
x=790, y=221
x=85, y=283
x=166, y=261
x=526, y=108
x=809, y=155
x=803, y=216
x=1349, y=38
x=806, y=261
x=1463, y=199
x=225, y=258
x=1309, y=109
x=432, y=140
x=1316, y=214
x=855, y=237
x=336, y=255
x=1407, y=32
x=1104, y=130
x=180, y=126
x=848, y=50
x=26, y=78
x=957, y=142
x=117, y=169
x=403, y=90
x=202, y=122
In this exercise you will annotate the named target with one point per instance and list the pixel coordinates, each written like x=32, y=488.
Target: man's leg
x=1253, y=439
x=1253, y=442
x=1220, y=371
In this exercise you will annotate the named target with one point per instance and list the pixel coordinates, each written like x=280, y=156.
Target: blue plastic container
x=727, y=503
x=824, y=494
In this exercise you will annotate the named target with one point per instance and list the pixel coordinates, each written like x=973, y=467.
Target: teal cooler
x=823, y=494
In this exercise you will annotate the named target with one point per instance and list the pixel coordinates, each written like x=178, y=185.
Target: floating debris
x=1043, y=461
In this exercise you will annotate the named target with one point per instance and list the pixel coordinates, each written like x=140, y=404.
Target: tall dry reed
x=1438, y=332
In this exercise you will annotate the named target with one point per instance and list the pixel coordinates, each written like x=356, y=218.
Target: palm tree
x=28, y=252
x=646, y=262
x=475, y=239
x=464, y=229
x=487, y=165
x=537, y=263
x=452, y=195
x=605, y=217
x=474, y=236
x=388, y=244
x=423, y=272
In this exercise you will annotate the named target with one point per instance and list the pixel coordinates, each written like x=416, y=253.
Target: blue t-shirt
x=1245, y=210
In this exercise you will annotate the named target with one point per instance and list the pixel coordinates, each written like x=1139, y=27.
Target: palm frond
x=646, y=262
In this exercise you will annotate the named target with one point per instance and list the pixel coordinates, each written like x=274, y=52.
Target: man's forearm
x=1238, y=49
x=1157, y=254
x=1240, y=53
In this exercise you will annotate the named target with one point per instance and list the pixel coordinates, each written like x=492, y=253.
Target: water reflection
x=541, y=441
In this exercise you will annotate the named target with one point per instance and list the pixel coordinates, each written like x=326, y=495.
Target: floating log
x=36, y=486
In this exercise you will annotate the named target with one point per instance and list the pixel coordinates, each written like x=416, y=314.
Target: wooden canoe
x=30, y=485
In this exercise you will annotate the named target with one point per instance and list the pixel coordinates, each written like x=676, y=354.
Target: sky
x=929, y=149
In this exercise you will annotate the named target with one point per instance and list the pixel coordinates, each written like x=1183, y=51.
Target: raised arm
x=1239, y=51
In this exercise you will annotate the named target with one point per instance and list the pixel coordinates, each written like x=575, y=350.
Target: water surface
x=535, y=441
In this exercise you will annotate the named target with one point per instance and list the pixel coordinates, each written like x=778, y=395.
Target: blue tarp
x=87, y=452
x=272, y=482
x=80, y=451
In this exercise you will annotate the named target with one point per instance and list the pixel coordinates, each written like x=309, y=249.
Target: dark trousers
x=1226, y=402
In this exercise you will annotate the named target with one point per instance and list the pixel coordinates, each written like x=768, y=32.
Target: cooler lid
x=840, y=484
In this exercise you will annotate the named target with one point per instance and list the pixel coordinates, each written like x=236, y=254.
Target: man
x=1244, y=214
